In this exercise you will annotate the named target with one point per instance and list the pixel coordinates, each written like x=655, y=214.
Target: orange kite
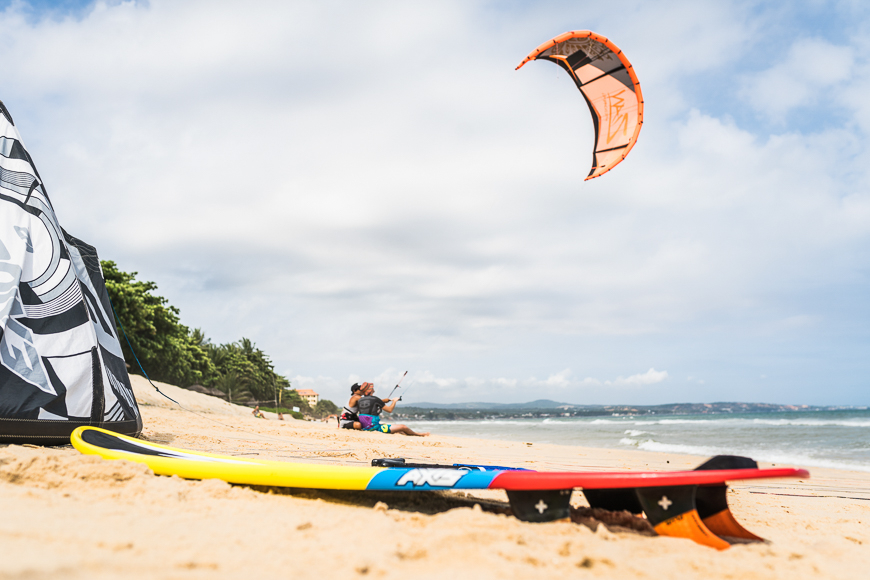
x=610, y=87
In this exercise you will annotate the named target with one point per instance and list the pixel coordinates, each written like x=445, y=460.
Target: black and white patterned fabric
x=61, y=364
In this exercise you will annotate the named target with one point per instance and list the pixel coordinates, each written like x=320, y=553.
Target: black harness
x=370, y=405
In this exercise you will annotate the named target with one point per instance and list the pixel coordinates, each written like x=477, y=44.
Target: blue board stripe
x=431, y=478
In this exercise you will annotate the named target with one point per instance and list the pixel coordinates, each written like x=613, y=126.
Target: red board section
x=519, y=480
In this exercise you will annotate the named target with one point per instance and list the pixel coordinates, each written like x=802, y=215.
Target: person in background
x=349, y=418
x=369, y=410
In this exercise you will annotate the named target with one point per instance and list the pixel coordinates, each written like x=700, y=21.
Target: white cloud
x=561, y=379
x=806, y=74
x=428, y=378
x=650, y=377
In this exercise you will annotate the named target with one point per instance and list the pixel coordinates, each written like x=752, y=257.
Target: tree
x=167, y=350
x=292, y=399
x=325, y=407
x=234, y=386
x=246, y=360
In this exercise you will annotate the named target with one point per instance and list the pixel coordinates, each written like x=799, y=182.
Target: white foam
x=768, y=455
x=475, y=422
x=814, y=422
x=738, y=421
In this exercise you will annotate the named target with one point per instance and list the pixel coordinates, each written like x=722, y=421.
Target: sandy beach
x=67, y=515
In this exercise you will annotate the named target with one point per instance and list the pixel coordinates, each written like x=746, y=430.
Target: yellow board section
x=195, y=465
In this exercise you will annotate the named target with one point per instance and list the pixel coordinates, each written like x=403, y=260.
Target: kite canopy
x=610, y=87
x=61, y=364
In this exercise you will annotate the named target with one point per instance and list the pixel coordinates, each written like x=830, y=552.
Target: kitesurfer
x=349, y=418
x=369, y=410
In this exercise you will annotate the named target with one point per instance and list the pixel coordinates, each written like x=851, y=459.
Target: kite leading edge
x=611, y=89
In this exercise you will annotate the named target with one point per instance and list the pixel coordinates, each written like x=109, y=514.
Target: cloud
x=650, y=377
x=810, y=71
x=561, y=379
x=564, y=380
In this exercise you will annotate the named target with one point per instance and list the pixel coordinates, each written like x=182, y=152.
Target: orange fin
x=689, y=525
x=724, y=524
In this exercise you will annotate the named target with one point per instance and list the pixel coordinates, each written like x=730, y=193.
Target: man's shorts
x=375, y=425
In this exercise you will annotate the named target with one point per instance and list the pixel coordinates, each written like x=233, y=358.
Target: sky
x=367, y=188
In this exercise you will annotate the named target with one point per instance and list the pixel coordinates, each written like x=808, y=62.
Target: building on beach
x=308, y=396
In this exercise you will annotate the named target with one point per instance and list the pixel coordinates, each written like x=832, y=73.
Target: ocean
x=837, y=439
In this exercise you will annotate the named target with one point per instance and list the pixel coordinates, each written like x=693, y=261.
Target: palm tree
x=197, y=337
x=247, y=346
x=234, y=386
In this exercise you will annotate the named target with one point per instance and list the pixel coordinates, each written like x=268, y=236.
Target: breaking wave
x=635, y=432
x=720, y=421
x=776, y=456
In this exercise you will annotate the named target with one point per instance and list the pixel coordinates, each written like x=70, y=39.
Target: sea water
x=838, y=439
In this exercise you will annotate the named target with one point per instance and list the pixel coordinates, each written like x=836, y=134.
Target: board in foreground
x=690, y=504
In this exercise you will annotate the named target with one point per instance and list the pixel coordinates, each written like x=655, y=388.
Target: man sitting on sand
x=348, y=418
x=369, y=413
x=258, y=413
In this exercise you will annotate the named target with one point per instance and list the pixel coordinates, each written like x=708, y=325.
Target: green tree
x=254, y=366
x=325, y=407
x=234, y=386
x=167, y=349
x=292, y=399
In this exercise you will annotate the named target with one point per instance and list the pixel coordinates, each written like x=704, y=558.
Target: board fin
x=712, y=501
x=671, y=511
x=540, y=505
x=727, y=462
x=700, y=513
x=614, y=500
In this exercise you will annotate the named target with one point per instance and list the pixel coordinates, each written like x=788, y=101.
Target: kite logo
x=616, y=119
x=432, y=477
